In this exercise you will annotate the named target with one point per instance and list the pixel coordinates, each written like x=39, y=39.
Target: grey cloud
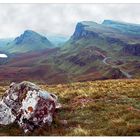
x=60, y=18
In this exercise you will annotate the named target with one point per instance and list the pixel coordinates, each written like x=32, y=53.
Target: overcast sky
x=60, y=18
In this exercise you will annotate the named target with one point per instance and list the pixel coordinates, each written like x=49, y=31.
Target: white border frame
x=70, y=1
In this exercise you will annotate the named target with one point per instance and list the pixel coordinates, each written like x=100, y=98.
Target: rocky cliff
x=81, y=32
x=132, y=49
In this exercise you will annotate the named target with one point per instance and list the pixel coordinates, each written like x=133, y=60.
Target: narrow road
x=105, y=60
x=114, y=66
x=126, y=73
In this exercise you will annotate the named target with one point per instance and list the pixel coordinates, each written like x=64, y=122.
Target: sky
x=60, y=19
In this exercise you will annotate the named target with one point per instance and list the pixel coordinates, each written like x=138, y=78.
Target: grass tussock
x=99, y=108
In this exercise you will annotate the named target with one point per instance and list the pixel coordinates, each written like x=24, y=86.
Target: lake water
x=3, y=56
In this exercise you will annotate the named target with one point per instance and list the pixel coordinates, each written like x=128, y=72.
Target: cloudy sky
x=60, y=19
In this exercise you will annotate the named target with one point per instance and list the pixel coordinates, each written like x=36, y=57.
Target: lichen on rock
x=28, y=105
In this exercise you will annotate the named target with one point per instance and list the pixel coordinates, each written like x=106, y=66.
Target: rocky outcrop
x=114, y=73
x=112, y=40
x=28, y=105
x=81, y=32
x=132, y=49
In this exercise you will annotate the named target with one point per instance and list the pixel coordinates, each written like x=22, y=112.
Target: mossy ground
x=98, y=108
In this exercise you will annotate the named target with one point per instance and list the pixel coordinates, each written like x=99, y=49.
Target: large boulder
x=28, y=105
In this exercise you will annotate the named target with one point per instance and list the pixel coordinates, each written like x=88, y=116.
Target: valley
x=109, y=50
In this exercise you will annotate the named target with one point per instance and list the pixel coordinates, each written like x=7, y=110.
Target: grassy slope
x=108, y=107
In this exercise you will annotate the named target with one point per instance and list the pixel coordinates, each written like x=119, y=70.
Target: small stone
x=64, y=122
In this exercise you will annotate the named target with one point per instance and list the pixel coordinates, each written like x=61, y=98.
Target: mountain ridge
x=28, y=41
x=82, y=57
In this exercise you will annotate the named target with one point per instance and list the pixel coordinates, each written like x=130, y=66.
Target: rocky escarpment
x=28, y=105
x=91, y=30
x=123, y=27
x=133, y=49
x=81, y=32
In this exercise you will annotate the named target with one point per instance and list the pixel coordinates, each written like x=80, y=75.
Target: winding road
x=114, y=66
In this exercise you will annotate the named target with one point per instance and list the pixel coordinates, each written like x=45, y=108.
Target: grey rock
x=28, y=105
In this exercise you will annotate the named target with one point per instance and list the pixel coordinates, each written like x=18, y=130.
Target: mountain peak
x=29, y=31
x=30, y=36
x=29, y=41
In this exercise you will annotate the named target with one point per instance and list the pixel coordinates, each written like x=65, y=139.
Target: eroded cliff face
x=132, y=49
x=28, y=105
x=82, y=32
